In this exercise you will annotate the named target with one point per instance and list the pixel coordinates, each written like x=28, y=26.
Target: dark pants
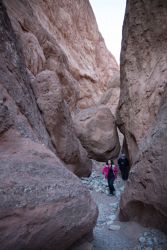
x=124, y=173
x=111, y=185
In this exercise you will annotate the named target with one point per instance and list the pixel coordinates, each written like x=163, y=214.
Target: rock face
x=142, y=110
x=57, y=117
x=111, y=97
x=65, y=53
x=63, y=36
x=145, y=196
x=143, y=69
x=43, y=205
x=20, y=100
x=97, y=132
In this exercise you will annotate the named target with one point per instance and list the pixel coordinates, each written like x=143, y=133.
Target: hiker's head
x=107, y=162
x=123, y=155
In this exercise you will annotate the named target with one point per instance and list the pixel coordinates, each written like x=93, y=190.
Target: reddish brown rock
x=145, y=196
x=111, y=97
x=142, y=111
x=143, y=69
x=97, y=132
x=57, y=37
x=17, y=98
x=57, y=117
x=63, y=36
x=17, y=101
x=43, y=205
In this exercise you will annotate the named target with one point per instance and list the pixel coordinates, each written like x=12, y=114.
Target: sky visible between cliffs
x=109, y=16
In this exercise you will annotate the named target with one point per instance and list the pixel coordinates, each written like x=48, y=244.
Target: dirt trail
x=111, y=234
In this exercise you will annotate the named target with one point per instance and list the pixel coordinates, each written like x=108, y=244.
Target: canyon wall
x=142, y=111
x=69, y=67
x=53, y=62
x=62, y=36
x=43, y=204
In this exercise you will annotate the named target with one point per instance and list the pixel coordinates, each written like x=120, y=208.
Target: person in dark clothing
x=111, y=178
x=123, y=164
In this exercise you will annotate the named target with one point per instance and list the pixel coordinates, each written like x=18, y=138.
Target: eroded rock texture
x=65, y=53
x=39, y=52
x=57, y=117
x=111, y=97
x=143, y=69
x=145, y=196
x=62, y=36
x=42, y=204
x=142, y=110
x=96, y=129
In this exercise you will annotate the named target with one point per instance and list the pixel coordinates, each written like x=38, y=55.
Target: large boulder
x=96, y=129
x=142, y=111
x=43, y=205
x=58, y=120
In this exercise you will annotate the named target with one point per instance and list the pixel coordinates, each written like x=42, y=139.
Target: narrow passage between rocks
x=109, y=233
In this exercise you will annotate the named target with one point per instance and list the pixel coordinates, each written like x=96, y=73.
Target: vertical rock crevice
x=141, y=114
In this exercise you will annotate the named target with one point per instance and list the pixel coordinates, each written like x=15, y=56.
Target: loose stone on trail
x=122, y=235
x=114, y=227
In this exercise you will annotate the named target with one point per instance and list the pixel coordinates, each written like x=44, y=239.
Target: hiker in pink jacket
x=108, y=170
x=105, y=170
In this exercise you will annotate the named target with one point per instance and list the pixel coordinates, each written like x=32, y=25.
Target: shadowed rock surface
x=143, y=69
x=96, y=129
x=142, y=111
x=43, y=205
x=145, y=197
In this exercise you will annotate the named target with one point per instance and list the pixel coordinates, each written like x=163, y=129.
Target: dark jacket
x=110, y=174
x=123, y=164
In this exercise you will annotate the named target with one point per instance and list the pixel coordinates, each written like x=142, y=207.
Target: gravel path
x=111, y=234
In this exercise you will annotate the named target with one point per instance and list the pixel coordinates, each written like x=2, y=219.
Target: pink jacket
x=105, y=171
x=115, y=170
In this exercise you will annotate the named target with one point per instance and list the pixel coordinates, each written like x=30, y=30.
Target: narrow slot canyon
x=66, y=108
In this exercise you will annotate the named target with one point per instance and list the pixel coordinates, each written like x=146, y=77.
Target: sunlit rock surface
x=142, y=111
